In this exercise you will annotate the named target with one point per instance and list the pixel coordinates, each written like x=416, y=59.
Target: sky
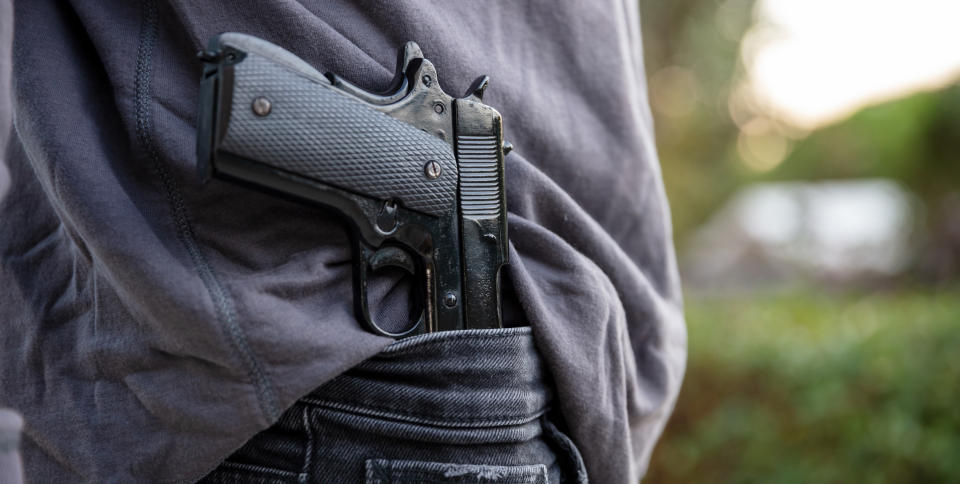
x=813, y=62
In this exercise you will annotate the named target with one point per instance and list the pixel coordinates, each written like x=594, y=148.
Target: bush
x=808, y=387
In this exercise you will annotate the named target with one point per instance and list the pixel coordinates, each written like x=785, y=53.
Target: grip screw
x=450, y=300
x=261, y=106
x=432, y=170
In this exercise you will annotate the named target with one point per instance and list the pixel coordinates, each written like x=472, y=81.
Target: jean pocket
x=237, y=473
x=383, y=471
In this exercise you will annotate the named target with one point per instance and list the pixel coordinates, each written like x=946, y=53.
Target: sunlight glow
x=813, y=62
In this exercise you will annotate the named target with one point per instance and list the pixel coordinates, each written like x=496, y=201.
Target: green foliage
x=697, y=149
x=811, y=386
x=814, y=387
x=885, y=140
x=911, y=140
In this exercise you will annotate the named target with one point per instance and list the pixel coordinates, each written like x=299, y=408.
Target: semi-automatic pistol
x=416, y=173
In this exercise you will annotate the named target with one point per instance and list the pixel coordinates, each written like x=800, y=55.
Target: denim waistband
x=471, y=378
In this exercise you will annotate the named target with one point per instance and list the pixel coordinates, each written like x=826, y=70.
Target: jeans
x=451, y=407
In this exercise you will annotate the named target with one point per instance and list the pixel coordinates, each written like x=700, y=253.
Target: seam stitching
x=222, y=301
x=369, y=410
x=307, y=459
x=418, y=343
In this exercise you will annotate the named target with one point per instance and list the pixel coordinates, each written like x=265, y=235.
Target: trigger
x=391, y=256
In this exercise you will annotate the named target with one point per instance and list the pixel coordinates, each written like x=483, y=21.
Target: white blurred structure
x=773, y=234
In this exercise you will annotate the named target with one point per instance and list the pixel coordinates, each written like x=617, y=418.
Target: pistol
x=417, y=174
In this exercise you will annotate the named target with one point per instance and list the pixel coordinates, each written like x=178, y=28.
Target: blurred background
x=811, y=153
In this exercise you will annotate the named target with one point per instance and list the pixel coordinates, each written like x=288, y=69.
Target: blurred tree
x=712, y=140
x=692, y=50
x=805, y=387
x=912, y=140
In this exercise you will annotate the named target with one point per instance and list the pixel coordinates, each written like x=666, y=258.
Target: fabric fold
x=153, y=324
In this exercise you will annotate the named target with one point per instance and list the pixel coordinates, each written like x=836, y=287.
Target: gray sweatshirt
x=151, y=325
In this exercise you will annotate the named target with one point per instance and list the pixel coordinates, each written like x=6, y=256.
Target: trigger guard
x=391, y=256
x=388, y=256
